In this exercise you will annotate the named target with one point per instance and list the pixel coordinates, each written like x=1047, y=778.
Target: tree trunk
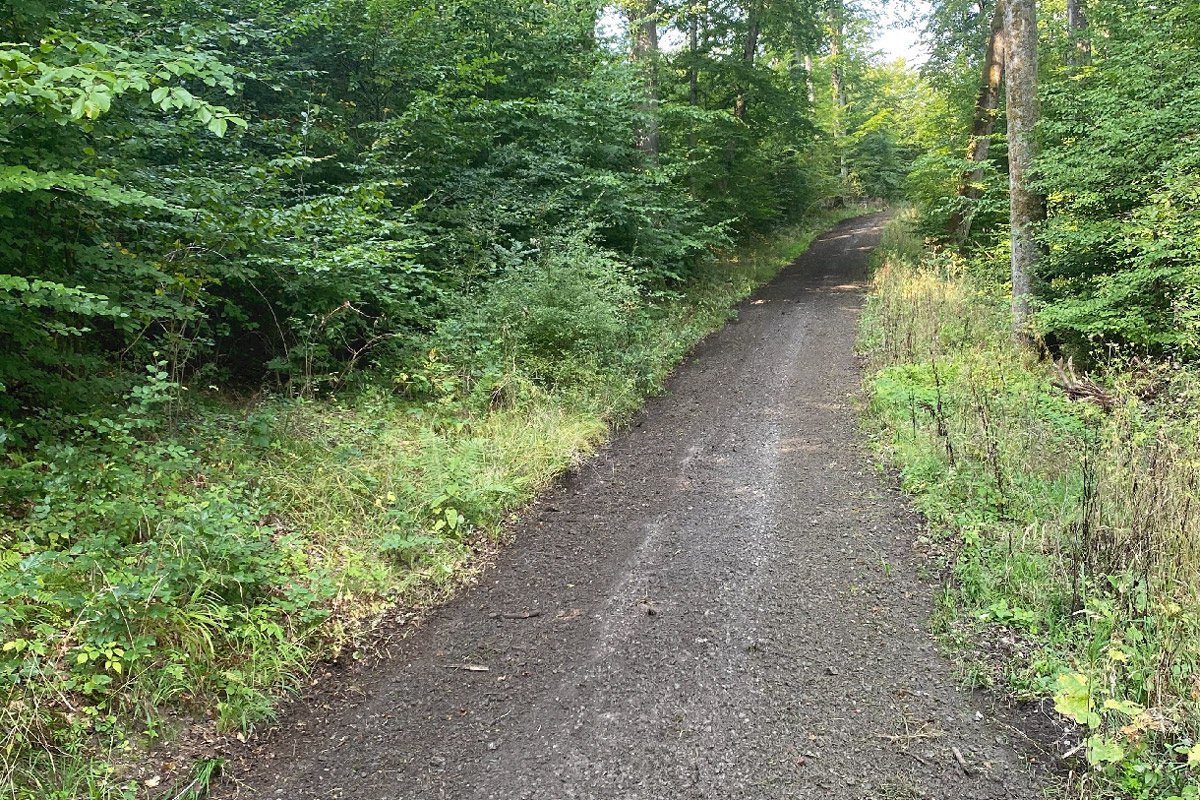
x=808, y=71
x=749, y=48
x=983, y=125
x=693, y=91
x=643, y=20
x=1027, y=207
x=693, y=66
x=837, y=26
x=1077, y=25
x=802, y=66
x=740, y=104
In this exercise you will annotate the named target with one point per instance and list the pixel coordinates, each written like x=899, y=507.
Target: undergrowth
x=1069, y=513
x=182, y=553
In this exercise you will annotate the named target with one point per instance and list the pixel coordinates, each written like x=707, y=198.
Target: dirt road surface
x=723, y=604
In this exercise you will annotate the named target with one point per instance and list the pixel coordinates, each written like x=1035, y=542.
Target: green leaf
x=1126, y=707
x=1073, y=698
x=1103, y=750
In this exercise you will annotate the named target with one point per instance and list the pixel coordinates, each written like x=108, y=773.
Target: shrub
x=556, y=315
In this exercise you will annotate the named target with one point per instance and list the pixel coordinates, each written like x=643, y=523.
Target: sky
x=898, y=32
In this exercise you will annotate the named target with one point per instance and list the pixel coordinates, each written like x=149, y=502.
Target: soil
x=724, y=603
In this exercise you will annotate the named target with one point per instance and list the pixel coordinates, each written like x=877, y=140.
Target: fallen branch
x=1080, y=390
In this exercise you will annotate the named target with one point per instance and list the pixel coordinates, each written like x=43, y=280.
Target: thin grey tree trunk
x=740, y=104
x=750, y=47
x=808, y=71
x=802, y=66
x=693, y=67
x=1027, y=207
x=693, y=90
x=837, y=26
x=984, y=123
x=643, y=20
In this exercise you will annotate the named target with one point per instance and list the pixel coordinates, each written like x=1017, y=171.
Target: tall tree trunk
x=749, y=48
x=693, y=90
x=643, y=20
x=1077, y=25
x=802, y=66
x=837, y=32
x=983, y=125
x=1027, y=207
x=693, y=55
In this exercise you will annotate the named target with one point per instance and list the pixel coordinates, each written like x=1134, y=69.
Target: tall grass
x=1069, y=506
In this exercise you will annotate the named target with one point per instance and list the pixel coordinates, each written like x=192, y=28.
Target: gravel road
x=723, y=604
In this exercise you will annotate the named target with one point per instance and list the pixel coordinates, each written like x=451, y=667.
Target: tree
x=749, y=50
x=1121, y=170
x=1027, y=207
x=643, y=24
x=837, y=89
x=983, y=125
x=1080, y=52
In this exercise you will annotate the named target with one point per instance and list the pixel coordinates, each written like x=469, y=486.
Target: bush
x=557, y=315
x=132, y=576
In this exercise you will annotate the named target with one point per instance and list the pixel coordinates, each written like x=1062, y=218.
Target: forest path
x=726, y=600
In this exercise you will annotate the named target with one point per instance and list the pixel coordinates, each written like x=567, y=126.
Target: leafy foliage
x=199, y=558
x=1122, y=172
x=1118, y=169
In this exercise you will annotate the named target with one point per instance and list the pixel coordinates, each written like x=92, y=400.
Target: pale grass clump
x=1140, y=493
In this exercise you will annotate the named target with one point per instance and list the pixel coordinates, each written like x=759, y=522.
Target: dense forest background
x=1116, y=169
x=286, y=194
x=299, y=299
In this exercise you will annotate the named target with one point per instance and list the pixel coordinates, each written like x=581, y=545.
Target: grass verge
x=179, y=562
x=1067, y=510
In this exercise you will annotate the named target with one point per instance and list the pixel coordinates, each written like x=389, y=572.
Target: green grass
x=200, y=557
x=1070, y=528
